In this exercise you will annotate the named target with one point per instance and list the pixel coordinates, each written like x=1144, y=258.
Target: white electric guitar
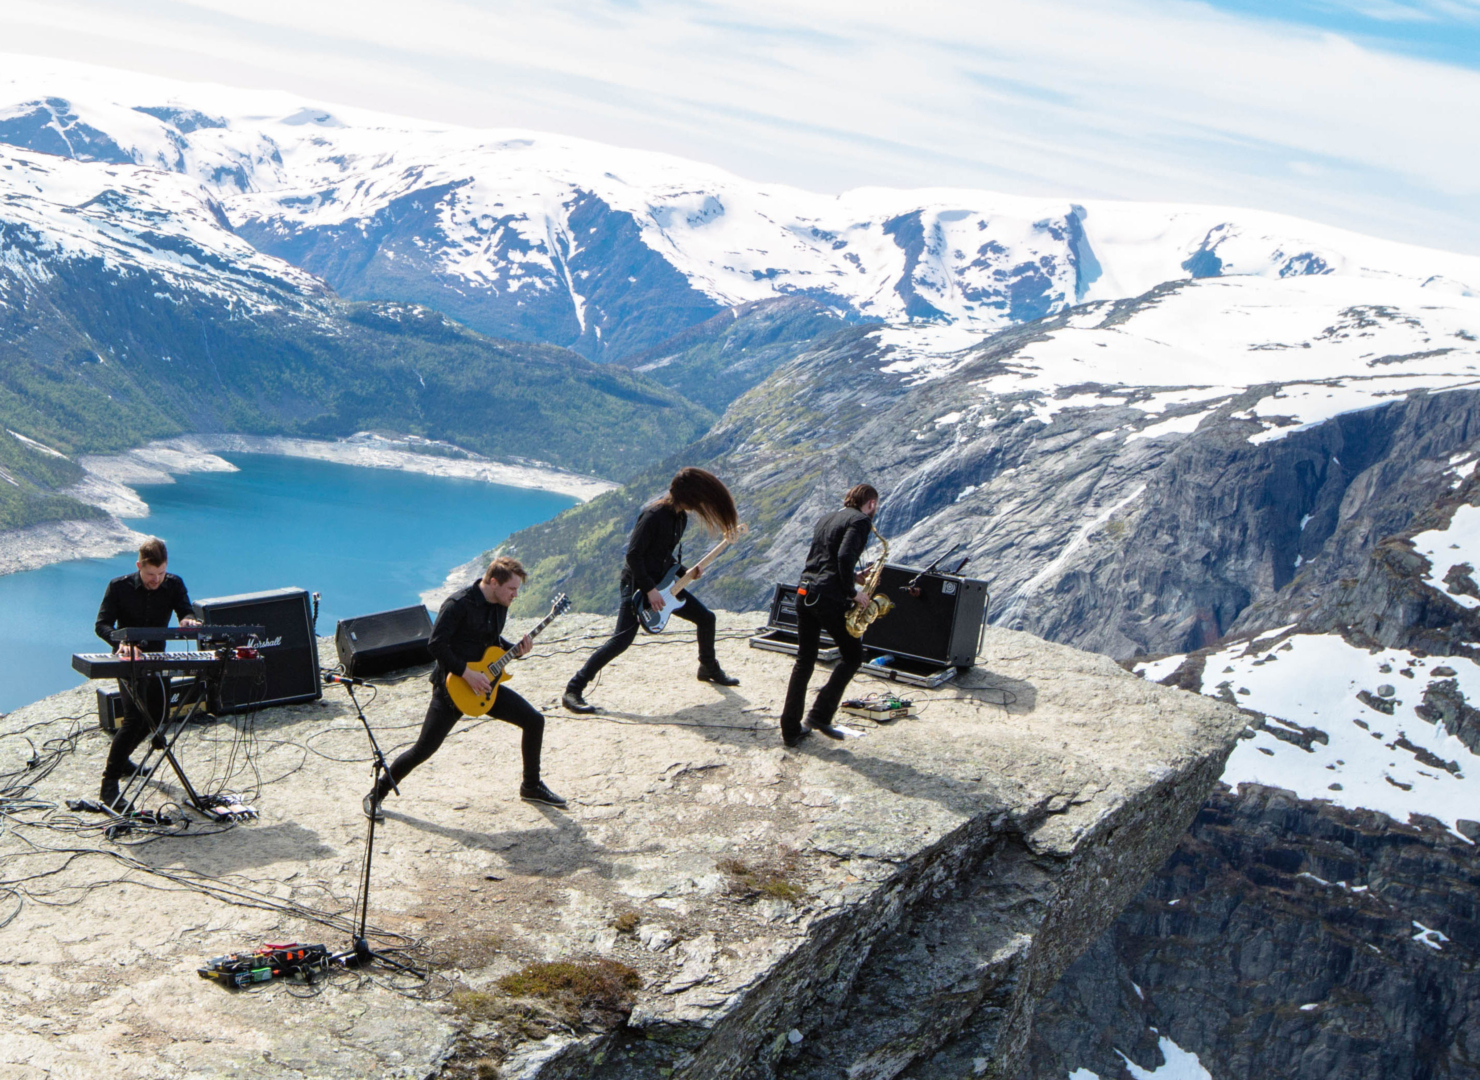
x=653, y=621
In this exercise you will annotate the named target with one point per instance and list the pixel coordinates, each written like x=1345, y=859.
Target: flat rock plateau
x=894, y=904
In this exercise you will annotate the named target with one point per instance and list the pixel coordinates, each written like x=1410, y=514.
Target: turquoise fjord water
x=367, y=539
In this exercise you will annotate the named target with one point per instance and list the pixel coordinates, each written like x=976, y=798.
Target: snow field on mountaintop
x=1329, y=344
x=1177, y=1064
x=130, y=218
x=1312, y=681
x=1455, y=545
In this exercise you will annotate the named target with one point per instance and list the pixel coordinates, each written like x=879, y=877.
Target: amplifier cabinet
x=386, y=641
x=942, y=625
x=783, y=615
x=290, y=650
x=110, y=704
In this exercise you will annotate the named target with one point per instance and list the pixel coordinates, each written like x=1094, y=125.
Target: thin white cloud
x=1127, y=99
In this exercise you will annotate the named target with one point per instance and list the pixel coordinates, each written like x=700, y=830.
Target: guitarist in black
x=654, y=548
x=828, y=589
x=469, y=621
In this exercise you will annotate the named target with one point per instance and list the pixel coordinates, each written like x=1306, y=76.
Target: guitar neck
x=497, y=667
x=703, y=564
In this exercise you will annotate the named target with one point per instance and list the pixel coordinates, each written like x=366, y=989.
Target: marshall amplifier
x=290, y=649
x=941, y=625
x=386, y=641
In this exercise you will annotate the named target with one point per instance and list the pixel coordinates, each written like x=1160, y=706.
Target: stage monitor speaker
x=943, y=625
x=290, y=650
x=386, y=641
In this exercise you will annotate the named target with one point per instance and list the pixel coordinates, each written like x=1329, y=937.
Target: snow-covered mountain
x=131, y=219
x=131, y=310
x=540, y=237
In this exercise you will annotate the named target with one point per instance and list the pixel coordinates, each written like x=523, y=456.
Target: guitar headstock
x=737, y=532
x=560, y=605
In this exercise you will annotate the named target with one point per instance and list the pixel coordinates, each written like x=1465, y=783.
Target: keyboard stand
x=159, y=740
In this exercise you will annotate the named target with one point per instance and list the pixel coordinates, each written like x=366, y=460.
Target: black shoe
x=573, y=701
x=716, y=674
x=539, y=793
x=796, y=740
x=109, y=797
x=828, y=730
x=130, y=768
x=371, y=806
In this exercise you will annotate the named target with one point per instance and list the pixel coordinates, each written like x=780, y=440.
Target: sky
x=1358, y=114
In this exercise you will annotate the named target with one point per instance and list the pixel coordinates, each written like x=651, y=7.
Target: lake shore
x=110, y=481
x=57, y=541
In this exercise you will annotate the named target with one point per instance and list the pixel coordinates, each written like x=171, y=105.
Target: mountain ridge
x=611, y=251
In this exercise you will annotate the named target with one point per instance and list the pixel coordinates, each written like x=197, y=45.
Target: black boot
x=711, y=672
x=573, y=700
x=370, y=804
x=796, y=740
x=108, y=793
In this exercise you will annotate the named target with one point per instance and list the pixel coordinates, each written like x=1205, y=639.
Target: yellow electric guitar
x=493, y=663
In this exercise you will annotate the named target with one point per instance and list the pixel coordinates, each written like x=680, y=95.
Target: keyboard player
x=146, y=597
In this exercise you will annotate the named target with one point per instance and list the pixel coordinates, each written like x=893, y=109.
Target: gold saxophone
x=859, y=618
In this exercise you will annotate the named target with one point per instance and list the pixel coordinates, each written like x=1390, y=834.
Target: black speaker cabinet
x=783, y=607
x=386, y=641
x=290, y=649
x=784, y=615
x=942, y=625
x=780, y=632
x=110, y=704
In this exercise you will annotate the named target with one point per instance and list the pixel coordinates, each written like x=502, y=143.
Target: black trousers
x=692, y=611
x=136, y=725
x=812, y=619
x=443, y=715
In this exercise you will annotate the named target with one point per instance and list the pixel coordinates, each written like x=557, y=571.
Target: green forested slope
x=93, y=360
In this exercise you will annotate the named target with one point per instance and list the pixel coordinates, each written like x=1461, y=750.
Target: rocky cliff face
x=891, y=906
x=1283, y=938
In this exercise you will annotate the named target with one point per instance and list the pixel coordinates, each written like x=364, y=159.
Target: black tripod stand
x=360, y=953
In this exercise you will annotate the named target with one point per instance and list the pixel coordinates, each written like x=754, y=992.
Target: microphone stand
x=913, y=585
x=360, y=953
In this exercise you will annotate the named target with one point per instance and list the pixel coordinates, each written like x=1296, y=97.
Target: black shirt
x=128, y=603
x=467, y=624
x=837, y=542
x=654, y=547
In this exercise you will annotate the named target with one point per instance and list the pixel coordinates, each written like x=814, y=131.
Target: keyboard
x=107, y=665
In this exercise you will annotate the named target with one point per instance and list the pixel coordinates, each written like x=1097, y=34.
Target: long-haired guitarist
x=469, y=621
x=653, y=549
x=829, y=587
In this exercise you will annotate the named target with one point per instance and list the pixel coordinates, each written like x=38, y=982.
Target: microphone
x=343, y=680
x=913, y=585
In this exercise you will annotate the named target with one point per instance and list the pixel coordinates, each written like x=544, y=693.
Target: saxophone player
x=829, y=588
